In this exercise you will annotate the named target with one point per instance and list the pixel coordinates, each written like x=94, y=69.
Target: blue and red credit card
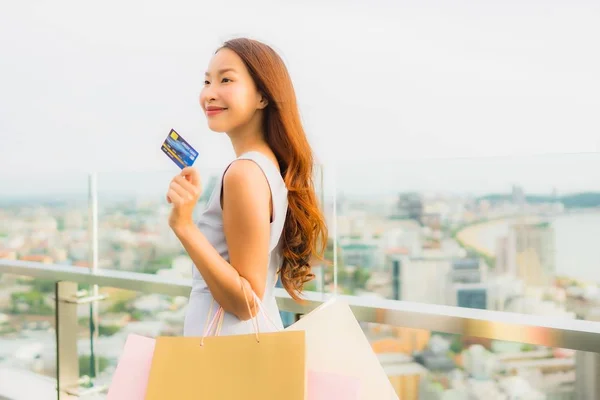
x=179, y=150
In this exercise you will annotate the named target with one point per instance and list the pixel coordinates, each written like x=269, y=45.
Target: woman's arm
x=246, y=223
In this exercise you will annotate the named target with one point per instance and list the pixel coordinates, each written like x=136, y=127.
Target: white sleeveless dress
x=211, y=225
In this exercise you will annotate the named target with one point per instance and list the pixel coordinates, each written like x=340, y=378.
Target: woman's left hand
x=184, y=191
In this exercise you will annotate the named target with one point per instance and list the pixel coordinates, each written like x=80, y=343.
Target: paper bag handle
x=255, y=319
x=208, y=326
x=219, y=315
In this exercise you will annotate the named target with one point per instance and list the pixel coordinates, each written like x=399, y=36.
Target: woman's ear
x=264, y=101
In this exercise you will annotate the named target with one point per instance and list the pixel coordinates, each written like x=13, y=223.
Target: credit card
x=179, y=150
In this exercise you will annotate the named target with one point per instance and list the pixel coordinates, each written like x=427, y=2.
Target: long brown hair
x=305, y=232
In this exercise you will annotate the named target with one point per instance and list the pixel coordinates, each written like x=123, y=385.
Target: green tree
x=310, y=286
x=361, y=277
x=151, y=269
x=60, y=224
x=353, y=279
x=345, y=279
x=137, y=315
x=43, y=286
x=84, y=365
x=35, y=301
x=456, y=346
x=329, y=254
x=528, y=347
x=156, y=264
x=108, y=330
x=119, y=307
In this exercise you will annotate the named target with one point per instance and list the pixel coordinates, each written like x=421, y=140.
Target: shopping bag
x=336, y=343
x=323, y=385
x=131, y=375
x=265, y=366
x=328, y=386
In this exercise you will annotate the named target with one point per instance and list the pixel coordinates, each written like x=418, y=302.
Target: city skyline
x=461, y=177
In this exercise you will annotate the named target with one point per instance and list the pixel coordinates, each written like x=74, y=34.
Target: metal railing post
x=67, y=360
x=93, y=232
x=68, y=382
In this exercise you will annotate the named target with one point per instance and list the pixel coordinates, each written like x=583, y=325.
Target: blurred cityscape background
x=458, y=163
x=512, y=251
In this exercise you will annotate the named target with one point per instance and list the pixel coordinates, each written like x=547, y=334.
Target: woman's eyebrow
x=221, y=71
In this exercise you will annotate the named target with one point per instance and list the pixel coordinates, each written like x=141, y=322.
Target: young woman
x=263, y=218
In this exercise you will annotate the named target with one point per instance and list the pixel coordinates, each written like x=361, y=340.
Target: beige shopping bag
x=262, y=366
x=336, y=343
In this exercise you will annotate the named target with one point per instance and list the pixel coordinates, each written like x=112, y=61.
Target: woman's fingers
x=176, y=199
x=178, y=189
x=191, y=175
x=186, y=185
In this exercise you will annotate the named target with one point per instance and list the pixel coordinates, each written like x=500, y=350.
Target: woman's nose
x=208, y=94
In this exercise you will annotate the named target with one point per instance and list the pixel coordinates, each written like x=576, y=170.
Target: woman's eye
x=206, y=83
x=226, y=80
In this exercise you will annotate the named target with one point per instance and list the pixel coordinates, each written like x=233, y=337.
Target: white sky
x=379, y=82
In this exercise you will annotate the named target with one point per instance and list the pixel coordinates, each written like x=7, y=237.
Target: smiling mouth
x=214, y=111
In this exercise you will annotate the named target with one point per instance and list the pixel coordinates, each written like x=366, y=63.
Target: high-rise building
x=506, y=256
x=406, y=240
x=359, y=253
x=418, y=279
x=535, y=252
x=409, y=206
x=518, y=195
x=467, y=270
x=467, y=284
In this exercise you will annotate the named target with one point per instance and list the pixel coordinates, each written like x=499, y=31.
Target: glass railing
x=124, y=312
x=510, y=235
x=516, y=234
x=44, y=221
x=27, y=325
x=133, y=230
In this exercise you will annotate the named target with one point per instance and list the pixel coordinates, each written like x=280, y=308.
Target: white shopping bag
x=336, y=343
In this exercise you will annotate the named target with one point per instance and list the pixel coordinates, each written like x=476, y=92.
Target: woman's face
x=229, y=98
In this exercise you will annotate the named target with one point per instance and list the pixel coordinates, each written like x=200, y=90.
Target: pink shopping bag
x=328, y=385
x=131, y=376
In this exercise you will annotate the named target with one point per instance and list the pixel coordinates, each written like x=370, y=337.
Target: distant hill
x=576, y=200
